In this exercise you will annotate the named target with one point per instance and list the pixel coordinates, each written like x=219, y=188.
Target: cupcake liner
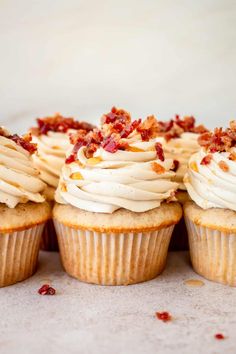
x=49, y=237
x=213, y=253
x=113, y=258
x=19, y=254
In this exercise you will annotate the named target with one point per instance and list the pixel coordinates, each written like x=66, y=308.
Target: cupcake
x=114, y=216
x=52, y=139
x=211, y=215
x=23, y=209
x=179, y=138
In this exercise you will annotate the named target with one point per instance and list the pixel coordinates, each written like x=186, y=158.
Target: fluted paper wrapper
x=213, y=253
x=114, y=258
x=19, y=254
x=49, y=237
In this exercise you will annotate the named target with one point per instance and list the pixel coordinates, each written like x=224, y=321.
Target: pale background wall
x=149, y=56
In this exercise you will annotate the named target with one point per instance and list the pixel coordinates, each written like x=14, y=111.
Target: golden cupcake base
x=19, y=254
x=113, y=258
x=213, y=253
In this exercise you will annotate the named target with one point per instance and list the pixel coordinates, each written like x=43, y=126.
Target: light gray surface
x=86, y=319
x=80, y=57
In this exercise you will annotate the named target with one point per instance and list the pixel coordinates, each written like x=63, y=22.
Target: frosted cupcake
x=114, y=216
x=179, y=138
x=23, y=209
x=52, y=139
x=211, y=216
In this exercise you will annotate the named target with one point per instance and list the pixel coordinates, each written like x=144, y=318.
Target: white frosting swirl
x=49, y=159
x=209, y=185
x=19, y=180
x=124, y=179
x=180, y=149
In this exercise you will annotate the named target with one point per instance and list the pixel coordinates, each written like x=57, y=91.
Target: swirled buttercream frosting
x=211, y=176
x=179, y=138
x=118, y=166
x=19, y=180
x=52, y=138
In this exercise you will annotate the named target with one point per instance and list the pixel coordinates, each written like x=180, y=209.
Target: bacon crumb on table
x=164, y=316
x=46, y=290
x=219, y=336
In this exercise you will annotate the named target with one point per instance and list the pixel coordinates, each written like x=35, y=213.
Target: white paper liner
x=19, y=254
x=213, y=253
x=114, y=258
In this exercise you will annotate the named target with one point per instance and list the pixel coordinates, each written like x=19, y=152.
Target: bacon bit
x=160, y=152
x=157, y=168
x=58, y=123
x=193, y=166
x=175, y=165
x=94, y=161
x=128, y=130
x=91, y=141
x=219, y=140
x=24, y=141
x=223, y=165
x=70, y=159
x=164, y=316
x=111, y=144
x=134, y=149
x=219, y=336
x=232, y=156
x=46, y=290
x=76, y=176
x=149, y=128
x=206, y=159
x=116, y=115
x=175, y=127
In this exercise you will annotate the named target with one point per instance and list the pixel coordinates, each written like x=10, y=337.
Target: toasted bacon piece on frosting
x=116, y=128
x=206, y=159
x=24, y=141
x=219, y=140
x=175, y=127
x=58, y=123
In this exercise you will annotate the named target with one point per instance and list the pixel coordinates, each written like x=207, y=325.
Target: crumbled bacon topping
x=223, y=165
x=24, y=141
x=92, y=140
x=116, y=127
x=160, y=152
x=164, y=316
x=219, y=336
x=219, y=140
x=206, y=159
x=232, y=156
x=175, y=127
x=46, y=290
x=58, y=123
x=175, y=165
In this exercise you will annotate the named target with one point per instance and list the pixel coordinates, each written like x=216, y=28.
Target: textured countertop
x=83, y=318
